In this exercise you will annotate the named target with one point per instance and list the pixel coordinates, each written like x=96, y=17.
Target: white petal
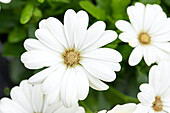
x=147, y=88
x=33, y=44
x=128, y=37
x=105, y=54
x=43, y=24
x=57, y=29
x=146, y=98
x=142, y=109
x=70, y=19
x=136, y=15
x=124, y=26
x=80, y=28
x=9, y=106
x=40, y=76
x=100, y=69
x=93, y=34
x=107, y=37
x=68, y=88
x=19, y=97
x=161, y=37
x=154, y=77
x=53, y=79
x=37, y=59
x=149, y=54
x=51, y=97
x=165, y=46
x=5, y=1
x=49, y=40
x=37, y=98
x=136, y=56
x=82, y=83
x=95, y=83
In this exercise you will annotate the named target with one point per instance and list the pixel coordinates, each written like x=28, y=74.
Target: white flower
x=73, y=56
x=5, y=1
x=155, y=96
x=148, y=33
x=29, y=99
x=126, y=108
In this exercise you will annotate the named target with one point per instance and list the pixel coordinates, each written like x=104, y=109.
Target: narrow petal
x=136, y=56
x=37, y=59
x=68, y=88
x=95, y=83
x=100, y=69
x=165, y=46
x=149, y=54
x=107, y=37
x=128, y=37
x=46, y=37
x=124, y=26
x=136, y=15
x=146, y=98
x=93, y=34
x=33, y=44
x=82, y=83
x=37, y=98
x=19, y=97
x=43, y=24
x=70, y=19
x=9, y=106
x=105, y=54
x=147, y=88
x=40, y=76
x=57, y=29
x=154, y=78
x=53, y=79
x=80, y=28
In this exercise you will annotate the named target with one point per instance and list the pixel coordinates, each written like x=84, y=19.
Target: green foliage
x=27, y=13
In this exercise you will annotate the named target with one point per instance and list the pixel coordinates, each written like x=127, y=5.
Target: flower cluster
x=74, y=60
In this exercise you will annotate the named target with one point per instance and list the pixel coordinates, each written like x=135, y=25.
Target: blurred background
x=19, y=20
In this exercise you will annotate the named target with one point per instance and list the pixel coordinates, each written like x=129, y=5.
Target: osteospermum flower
x=73, y=57
x=155, y=96
x=126, y=108
x=148, y=33
x=29, y=99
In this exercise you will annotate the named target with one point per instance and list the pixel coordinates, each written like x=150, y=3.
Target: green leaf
x=17, y=34
x=115, y=97
x=41, y=1
x=37, y=14
x=93, y=10
x=64, y=1
x=151, y=1
x=12, y=49
x=119, y=8
x=26, y=13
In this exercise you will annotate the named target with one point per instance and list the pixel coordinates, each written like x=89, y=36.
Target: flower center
x=157, y=105
x=144, y=38
x=71, y=57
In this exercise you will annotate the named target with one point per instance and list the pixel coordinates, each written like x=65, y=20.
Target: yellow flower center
x=71, y=57
x=157, y=105
x=144, y=38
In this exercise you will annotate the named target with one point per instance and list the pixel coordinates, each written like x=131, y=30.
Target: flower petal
x=100, y=69
x=146, y=98
x=82, y=83
x=107, y=37
x=40, y=76
x=68, y=88
x=37, y=59
x=136, y=56
x=105, y=54
x=70, y=19
x=53, y=79
x=49, y=40
x=93, y=34
x=80, y=28
x=57, y=29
